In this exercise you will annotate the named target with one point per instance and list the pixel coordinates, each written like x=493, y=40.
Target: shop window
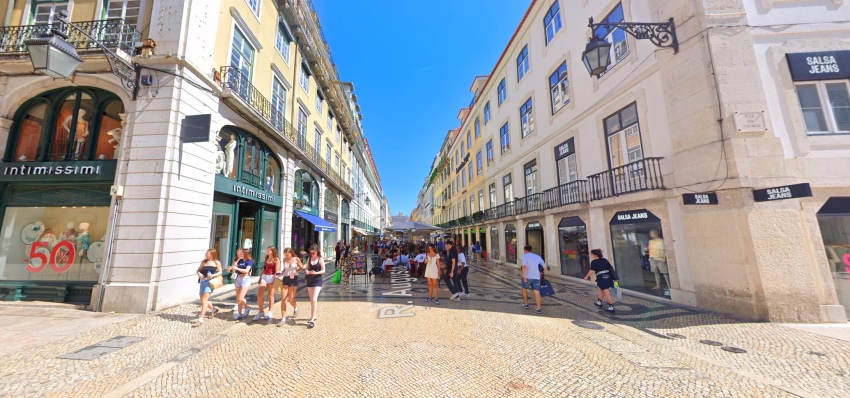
x=639, y=252
x=306, y=190
x=825, y=106
x=834, y=222
x=494, y=237
x=510, y=244
x=72, y=133
x=109, y=131
x=573, y=248
x=259, y=167
x=29, y=133
x=272, y=176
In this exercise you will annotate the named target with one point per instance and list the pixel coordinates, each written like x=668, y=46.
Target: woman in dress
x=270, y=267
x=288, y=275
x=242, y=266
x=605, y=278
x=209, y=268
x=315, y=270
x=432, y=273
x=346, y=264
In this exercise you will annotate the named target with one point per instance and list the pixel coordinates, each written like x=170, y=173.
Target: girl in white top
x=288, y=276
x=432, y=272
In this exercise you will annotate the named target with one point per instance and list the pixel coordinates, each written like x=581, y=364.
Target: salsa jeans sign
x=824, y=65
x=783, y=192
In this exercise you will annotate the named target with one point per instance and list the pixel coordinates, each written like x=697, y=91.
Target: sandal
x=311, y=324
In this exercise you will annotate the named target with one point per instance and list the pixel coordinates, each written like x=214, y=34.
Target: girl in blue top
x=242, y=266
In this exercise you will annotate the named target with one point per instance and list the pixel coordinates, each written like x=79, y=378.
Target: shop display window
x=307, y=191
x=574, y=251
x=510, y=244
x=109, y=133
x=834, y=222
x=534, y=238
x=53, y=243
x=494, y=237
x=639, y=253
x=259, y=167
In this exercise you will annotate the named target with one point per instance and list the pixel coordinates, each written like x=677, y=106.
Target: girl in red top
x=270, y=267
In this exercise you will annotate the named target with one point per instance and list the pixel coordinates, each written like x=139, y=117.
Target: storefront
x=639, y=253
x=345, y=222
x=482, y=238
x=329, y=238
x=494, y=237
x=534, y=238
x=572, y=238
x=306, y=222
x=246, y=203
x=834, y=222
x=55, y=204
x=510, y=244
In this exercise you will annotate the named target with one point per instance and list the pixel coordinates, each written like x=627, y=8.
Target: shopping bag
x=337, y=276
x=546, y=289
x=617, y=294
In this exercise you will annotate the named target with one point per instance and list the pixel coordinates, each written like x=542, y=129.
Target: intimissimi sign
x=57, y=171
x=50, y=170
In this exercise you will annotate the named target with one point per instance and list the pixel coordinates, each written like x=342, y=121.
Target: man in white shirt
x=420, y=263
x=531, y=266
x=460, y=276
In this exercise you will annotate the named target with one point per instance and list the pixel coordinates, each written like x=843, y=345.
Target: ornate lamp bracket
x=662, y=34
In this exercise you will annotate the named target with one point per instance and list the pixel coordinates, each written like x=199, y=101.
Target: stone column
x=550, y=237
x=5, y=131
x=288, y=194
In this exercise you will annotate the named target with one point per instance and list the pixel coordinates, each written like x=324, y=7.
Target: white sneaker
x=200, y=320
x=454, y=296
x=269, y=315
x=236, y=308
x=258, y=316
x=464, y=294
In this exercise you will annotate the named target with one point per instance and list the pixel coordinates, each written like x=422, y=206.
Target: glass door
x=220, y=236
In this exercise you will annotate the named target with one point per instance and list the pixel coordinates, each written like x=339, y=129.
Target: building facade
x=717, y=176
x=105, y=198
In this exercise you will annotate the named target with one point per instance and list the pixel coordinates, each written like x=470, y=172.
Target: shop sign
x=783, y=192
x=565, y=149
x=331, y=217
x=494, y=230
x=482, y=230
x=463, y=163
x=57, y=171
x=634, y=217
x=824, y=65
x=238, y=189
x=707, y=198
x=195, y=128
x=534, y=225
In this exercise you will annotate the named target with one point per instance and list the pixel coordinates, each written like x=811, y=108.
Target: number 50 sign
x=60, y=258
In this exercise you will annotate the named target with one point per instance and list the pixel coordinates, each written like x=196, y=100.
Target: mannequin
x=83, y=239
x=269, y=183
x=81, y=133
x=230, y=157
x=115, y=140
x=70, y=233
x=658, y=259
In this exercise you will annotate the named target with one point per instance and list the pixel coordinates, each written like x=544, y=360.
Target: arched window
x=306, y=189
x=62, y=125
x=331, y=200
x=243, y=157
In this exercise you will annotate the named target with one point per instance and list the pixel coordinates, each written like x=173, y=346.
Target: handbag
x=337, y=276
x=546, y=289
x=216, y=282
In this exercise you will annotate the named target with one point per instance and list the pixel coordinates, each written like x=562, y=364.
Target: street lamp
x=597, y=54
x=52, y=55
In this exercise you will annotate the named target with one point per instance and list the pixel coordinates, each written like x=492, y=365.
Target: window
x=302, y=127
x=487, y=112
x=241, y=58
x=464, y=208
x=522, y=63
x=328, y=153
x=338, y=134
x=255, y=6
x=623, y=132
x=317, y=145
x=278, y=104
x=472, y=204
x=468, y=141
x=477, y=128
x=552, y=21
x=559, y=88
x=505, y=138
x=481, y=200
x=336, y=162
x=530, y=177
x=282, y=40
x=319, y=100
x=44, y=13
x=306, y=188
x=330, y=121
x=503, y=91
x=469, y=171
x=527, y=118
x=457, y=184
x=831, y=119
x=463, y=178
x=567, y=169
x=461, y=148
x=508, y=189
x=615, y=36
x=128, y=10
x=304, y=78
x=492, y=193
x=478, y=163
x=489, y=152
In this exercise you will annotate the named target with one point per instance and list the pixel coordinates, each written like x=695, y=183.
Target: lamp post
x=597, y=53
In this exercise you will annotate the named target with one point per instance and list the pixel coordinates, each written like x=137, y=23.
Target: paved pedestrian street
x=375, y=342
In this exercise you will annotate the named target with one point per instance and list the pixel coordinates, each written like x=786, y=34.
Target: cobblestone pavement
x=369, y=343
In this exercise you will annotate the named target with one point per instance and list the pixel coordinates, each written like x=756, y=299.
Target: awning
x=319, y=222
x=362, y=231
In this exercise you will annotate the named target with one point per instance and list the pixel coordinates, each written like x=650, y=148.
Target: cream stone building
x=227, y=128
x=717, y=176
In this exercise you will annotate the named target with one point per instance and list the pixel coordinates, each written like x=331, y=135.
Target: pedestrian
x=288, y=281
x=338, y=250
x=476, y=251
x=242, y=266
x=419, y=260
x=532, y=265
x=315, y=270
x=451, y=267
x=271, y=266
x=461, y=276
x=209, y=269
x=440, y=245
x=605, y=278
x=386, y=265
x=404, y=260
x=347, y=265
x=432, y=273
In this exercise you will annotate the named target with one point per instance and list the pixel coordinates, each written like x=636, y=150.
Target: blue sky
x=412, y=64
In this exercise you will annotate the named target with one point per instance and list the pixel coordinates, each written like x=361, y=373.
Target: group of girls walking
x=279, y=275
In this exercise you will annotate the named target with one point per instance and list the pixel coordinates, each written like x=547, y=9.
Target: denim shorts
x=205, y=287
x=243, y=281
x=533, y=284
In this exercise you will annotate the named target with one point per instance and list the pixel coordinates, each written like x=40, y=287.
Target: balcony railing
x=240, y=84
x=643, y=175
x=533, y=202
x=113, y=33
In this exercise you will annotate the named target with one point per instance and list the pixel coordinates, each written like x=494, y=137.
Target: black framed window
x=503, y=91
x=559, y=88
x=522, y=64
x=487, y=112
x=552, y=21
x=530, y=171
x=622, y=132
x=526, y=115
x=489, y=150
x=508, y=188
x=505, y=138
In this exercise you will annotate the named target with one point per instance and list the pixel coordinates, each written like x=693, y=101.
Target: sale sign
x=60, y=258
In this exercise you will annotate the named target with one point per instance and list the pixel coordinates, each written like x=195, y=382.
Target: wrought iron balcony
x=533, y=202
x=240, y=84
x=642, y=175
x=113, y=33
x=566, y=194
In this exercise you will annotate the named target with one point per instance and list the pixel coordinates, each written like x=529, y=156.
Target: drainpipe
x=10, y=7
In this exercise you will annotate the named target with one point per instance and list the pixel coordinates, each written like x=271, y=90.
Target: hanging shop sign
x=565, y=149
x=634, y=217
x=534, y=225
x=245, y=191
x=824, y=65
x=58, y=171
x=195, y=128
x=707, y=198
x=482, y=230
x=460, y=166
x=784, y=192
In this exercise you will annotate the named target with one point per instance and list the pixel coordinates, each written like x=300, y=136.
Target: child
x=605, y=278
